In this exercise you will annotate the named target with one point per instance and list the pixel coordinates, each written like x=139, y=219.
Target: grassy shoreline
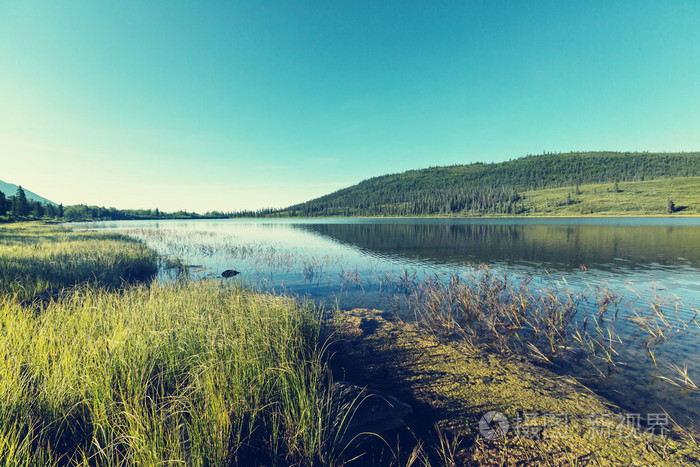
x=38, y=259
x=195, y=373
x=112, y=372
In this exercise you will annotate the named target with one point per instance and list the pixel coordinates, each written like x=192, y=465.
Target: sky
x=243, y=105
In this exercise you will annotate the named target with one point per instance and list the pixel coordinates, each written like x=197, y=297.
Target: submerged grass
x=588, y=332
x=550, y=324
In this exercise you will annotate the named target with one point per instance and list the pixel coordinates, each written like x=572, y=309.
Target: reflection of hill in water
x=562, y=246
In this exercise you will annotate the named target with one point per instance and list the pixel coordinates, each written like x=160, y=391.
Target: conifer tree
x=38, y=210
x=21, y=201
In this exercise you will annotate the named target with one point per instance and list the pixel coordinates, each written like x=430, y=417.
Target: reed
x=486, y=309
x=194, y=373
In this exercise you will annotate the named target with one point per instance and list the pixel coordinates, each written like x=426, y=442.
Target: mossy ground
x=452, y=386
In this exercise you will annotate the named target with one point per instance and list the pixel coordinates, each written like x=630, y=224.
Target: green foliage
x=38, y=210
x=22, y=208
x=482, y=189
x=670, y=207
x=84, y=212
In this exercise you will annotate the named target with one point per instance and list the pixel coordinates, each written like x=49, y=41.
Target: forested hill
x=494, y=188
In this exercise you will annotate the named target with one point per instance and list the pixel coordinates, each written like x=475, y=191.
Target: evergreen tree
x=38, y=210
x=60, y=210
x=21, y=201
x=3, y=204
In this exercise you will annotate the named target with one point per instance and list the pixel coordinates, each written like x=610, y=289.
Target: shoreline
x=584, y=216
x=549, y=419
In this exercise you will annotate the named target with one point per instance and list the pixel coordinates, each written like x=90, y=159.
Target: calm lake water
x=349, y=262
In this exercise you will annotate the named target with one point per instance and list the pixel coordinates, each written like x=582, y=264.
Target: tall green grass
x=113, y=371
x=35, y=258
x=188, y=374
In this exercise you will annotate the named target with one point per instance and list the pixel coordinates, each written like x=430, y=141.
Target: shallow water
x=349, y=262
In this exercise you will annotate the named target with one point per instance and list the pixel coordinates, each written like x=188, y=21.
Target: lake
x=649, y=263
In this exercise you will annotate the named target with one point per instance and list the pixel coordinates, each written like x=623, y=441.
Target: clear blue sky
x=232, y=105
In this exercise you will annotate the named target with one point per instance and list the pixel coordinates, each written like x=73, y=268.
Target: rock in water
x=229, y=273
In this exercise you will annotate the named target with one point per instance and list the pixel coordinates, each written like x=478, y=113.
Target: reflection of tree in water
x=562, y=246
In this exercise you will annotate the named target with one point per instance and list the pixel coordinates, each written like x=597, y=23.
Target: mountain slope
x=496, y=188
x=10, y=189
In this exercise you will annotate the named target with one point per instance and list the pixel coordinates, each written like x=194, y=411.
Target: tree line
x=494, y=188
x=19, y=207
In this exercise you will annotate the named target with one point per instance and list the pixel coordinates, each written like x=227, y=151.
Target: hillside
x=650, y=197
x=509, y=188
x=10, y=189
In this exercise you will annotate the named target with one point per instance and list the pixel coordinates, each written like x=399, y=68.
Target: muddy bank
x=551, y=420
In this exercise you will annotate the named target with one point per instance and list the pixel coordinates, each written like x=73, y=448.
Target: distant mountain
x=495, y=188
x=10, y=189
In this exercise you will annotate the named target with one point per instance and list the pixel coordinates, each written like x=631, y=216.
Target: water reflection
x=564, y=247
